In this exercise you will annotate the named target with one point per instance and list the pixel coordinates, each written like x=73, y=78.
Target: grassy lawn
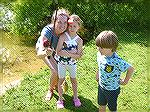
x=29, y=96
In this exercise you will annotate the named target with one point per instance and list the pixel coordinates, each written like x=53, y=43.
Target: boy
x=110, y=67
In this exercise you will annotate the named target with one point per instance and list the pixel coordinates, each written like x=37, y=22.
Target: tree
x=29, y=16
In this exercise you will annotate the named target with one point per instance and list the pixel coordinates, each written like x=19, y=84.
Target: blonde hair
x=107, y=39
x=77, y=19
x=60, y=12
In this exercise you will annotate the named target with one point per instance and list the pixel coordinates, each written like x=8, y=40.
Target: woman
x=51, y=33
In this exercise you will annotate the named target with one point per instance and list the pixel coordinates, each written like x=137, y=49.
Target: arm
x=97, y=76
x=42, y=51
x=80, y=47
x=61, y=52
x=47, y=61
x=79, y=50
x=44, y=55
x=128, y=76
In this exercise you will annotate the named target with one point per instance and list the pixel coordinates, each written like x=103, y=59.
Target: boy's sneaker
x=77, y=102
x=60, y=104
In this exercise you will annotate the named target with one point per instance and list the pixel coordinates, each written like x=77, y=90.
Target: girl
x=68, y=50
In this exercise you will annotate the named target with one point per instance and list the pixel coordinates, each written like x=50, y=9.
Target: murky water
x=20, y=58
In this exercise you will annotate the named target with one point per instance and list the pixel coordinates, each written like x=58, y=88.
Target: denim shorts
x=108, y=97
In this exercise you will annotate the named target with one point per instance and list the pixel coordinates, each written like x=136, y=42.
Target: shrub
x=97, y=16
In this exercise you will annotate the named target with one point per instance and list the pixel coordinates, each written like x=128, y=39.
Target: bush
x=102, y=16
x=28, y=16
x=97, y=16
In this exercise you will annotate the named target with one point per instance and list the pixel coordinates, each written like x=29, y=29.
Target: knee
x=61, y=80
x=73, y=80
x=102, y=109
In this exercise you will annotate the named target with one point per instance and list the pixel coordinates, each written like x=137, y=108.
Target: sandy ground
x=15, y=76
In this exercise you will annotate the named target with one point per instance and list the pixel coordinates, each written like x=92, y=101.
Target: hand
x=123, y=82
x=46, y=43
x=49, y=51
x=97, y=77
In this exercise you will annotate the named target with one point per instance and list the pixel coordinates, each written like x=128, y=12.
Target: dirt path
x=29, y=66
x=21, y=58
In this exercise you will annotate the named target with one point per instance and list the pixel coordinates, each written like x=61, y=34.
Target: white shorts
x=63, y=68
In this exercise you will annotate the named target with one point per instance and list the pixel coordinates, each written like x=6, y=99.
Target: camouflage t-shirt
x=110, y=69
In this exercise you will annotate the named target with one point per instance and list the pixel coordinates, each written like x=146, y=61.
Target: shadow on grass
x=87, y=105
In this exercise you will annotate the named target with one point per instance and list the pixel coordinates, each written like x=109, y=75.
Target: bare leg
x=54, y=75
x=53, y=79
x=102, y=108
x=74, y=87
x=60, y=90
x=76, y=100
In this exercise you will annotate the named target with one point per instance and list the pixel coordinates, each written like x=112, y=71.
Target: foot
x=77, y=102
x=49, y=95
x=60, y=104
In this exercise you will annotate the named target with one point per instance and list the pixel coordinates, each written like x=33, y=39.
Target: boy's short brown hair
x=107, y=39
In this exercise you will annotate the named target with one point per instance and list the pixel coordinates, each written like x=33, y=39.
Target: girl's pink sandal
x=77, y=102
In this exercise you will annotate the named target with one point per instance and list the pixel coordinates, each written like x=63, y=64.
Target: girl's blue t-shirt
x=48, y=32
x=110, y=69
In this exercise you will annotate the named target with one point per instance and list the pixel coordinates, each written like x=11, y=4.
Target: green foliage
x=28, y=16
x=101, y=16
x=7, y=1
x=97, y=16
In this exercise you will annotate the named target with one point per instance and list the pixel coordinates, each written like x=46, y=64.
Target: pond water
x=18, y=58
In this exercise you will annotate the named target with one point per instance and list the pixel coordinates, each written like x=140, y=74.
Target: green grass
x=29, y=96
x=148, y=77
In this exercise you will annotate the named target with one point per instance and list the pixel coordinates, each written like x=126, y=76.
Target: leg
x=76, y=100
x=72, y=70
x=74, y=87
x=61, y=74
x=60, y=102
x=112, y=100
x=60, y=90
x=54, y=75
x=102, y=108
x=102, y=101
x=53, y=79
